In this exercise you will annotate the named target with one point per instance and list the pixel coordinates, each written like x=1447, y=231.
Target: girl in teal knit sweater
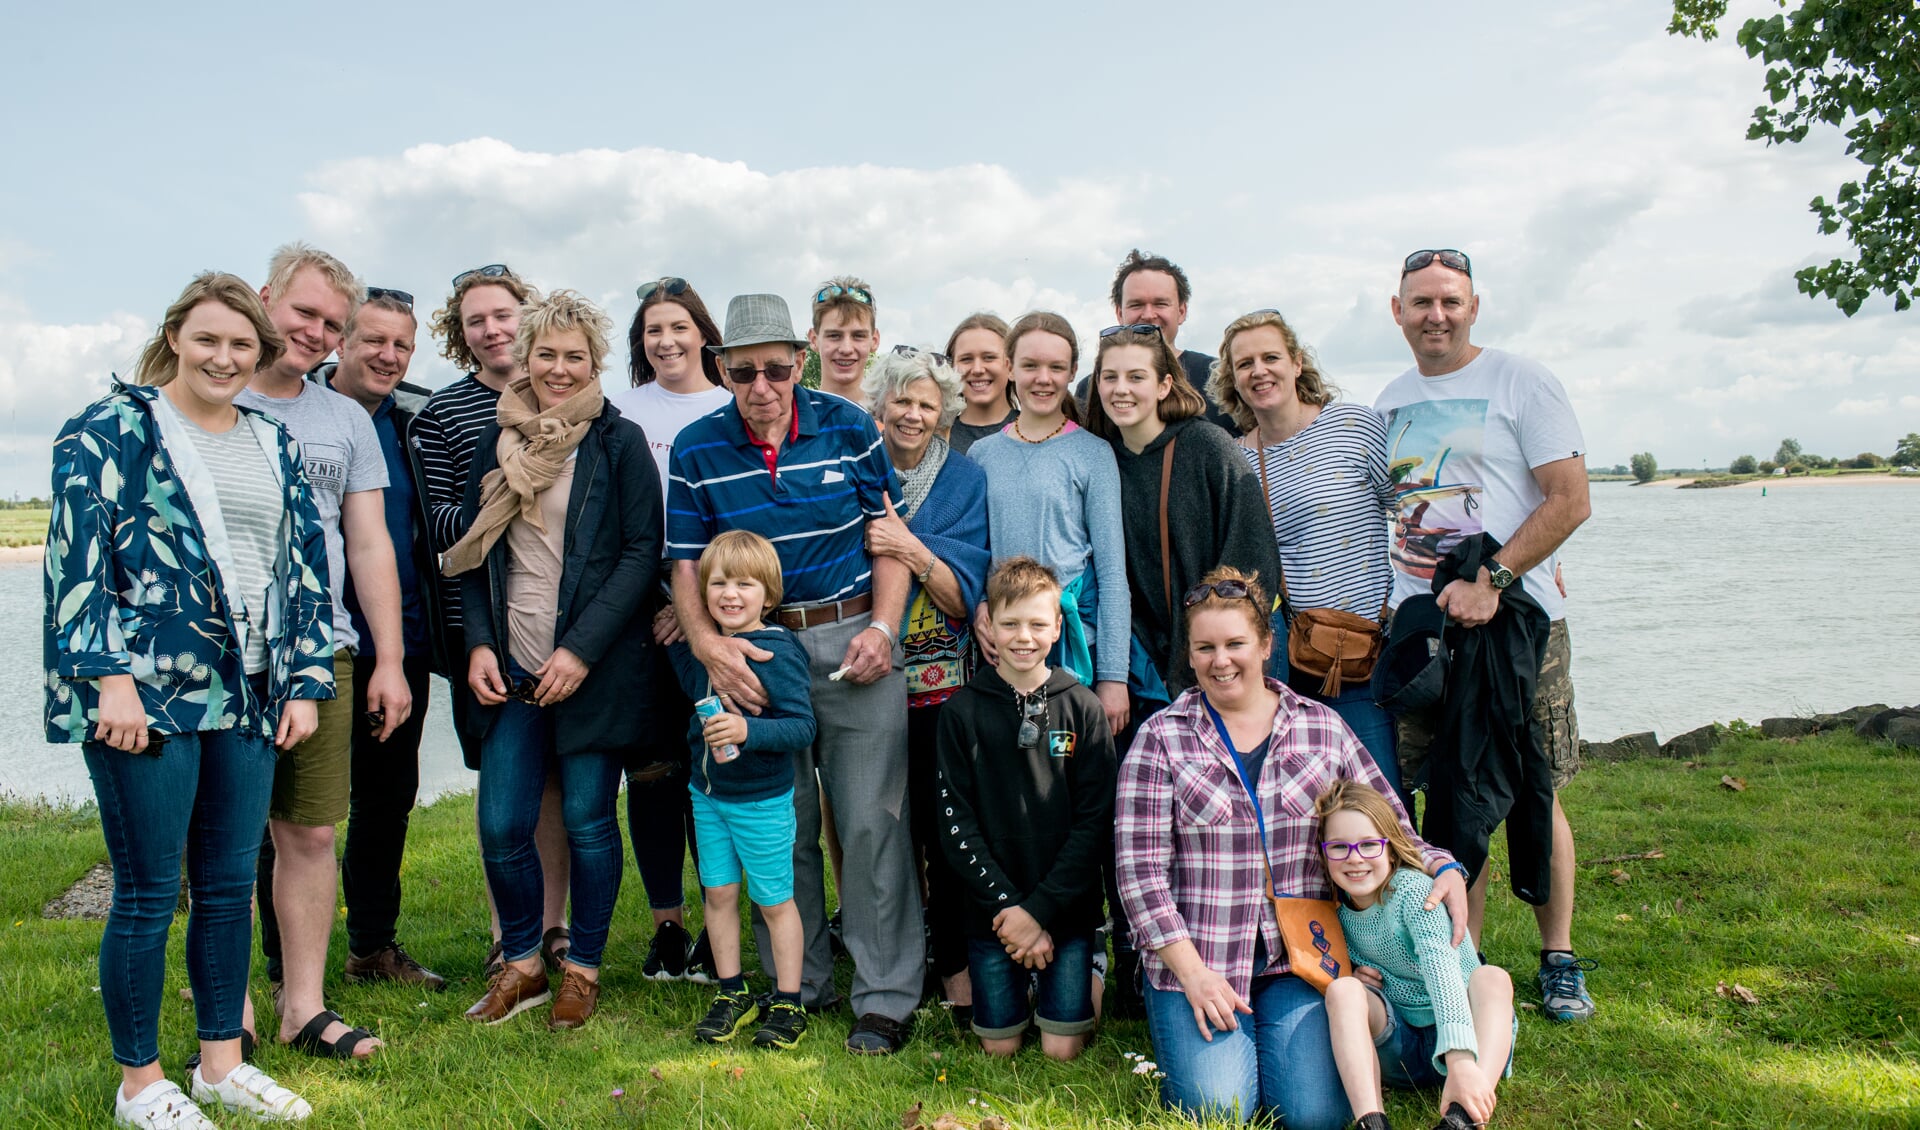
x=1437, y=1017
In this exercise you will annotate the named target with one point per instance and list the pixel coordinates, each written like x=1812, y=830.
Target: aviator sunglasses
x=1446, y=257
x=490, y=271
x=1033, y=711
x=1230, y=590
x=1138, y=329
x=401, y=296
x=673, y=285
x=857, y=293
x=910, y=351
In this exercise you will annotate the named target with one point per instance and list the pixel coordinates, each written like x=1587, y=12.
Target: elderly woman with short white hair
x=940, y=533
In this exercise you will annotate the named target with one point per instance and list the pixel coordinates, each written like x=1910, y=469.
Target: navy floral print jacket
x=134, y=586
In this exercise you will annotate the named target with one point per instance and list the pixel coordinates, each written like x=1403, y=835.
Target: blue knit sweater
x=1424, y=972
x=952, y=524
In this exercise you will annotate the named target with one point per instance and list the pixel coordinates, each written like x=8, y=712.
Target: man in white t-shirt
x=1481, y=440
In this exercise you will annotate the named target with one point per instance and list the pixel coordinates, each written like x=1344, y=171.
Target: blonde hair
x=159, y=361
x=446, y=320
x=1346, y=795
x=1311, y=386
x=289, y=259
x=564, y=311
x=1018, y=578
x=743, y=553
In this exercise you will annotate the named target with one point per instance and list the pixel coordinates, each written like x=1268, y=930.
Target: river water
x=1685, y=607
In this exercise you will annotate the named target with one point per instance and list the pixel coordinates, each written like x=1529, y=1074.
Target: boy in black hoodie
x=1026, y=778
x=743, y=805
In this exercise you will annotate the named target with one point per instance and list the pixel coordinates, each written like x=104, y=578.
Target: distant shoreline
x=1793, y=481
x=22, y=554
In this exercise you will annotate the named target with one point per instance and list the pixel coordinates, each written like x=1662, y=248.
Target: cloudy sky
x=988, y=156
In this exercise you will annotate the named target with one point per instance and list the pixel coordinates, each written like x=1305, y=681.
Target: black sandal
x=308, y=1040
x=555, y=945
x=247, y=1044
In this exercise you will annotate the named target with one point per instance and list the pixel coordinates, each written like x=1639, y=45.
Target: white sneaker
x=252, y=1091
x=160, y=1106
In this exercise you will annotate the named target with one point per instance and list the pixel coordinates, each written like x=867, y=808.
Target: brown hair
x=639, y=369
x=1256, y=601
x=1136, y=261
x=159, y=361
x=1346, y=795
x=1018, y=578
x=1045, y=321
x=446, y=320
x=847, y=304
x=743, y=553
x=1311, y=386
x=992, y=323
x=1183, y=401
x=561, y=312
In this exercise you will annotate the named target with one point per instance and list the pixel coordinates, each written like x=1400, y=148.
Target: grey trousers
x=860, y=752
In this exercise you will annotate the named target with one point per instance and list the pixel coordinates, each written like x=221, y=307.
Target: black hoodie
x=1027, y=827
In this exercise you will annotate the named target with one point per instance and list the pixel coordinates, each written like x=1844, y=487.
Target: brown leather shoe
x=393, y=963
x=509, y=994
x=577, y=999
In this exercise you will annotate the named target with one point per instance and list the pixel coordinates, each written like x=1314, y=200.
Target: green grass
x=23, y=527
x=1800, y=888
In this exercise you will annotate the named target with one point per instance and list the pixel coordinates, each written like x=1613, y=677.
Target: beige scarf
x=533, y=450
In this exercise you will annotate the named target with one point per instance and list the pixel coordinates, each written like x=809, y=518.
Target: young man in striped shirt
x=477, y=328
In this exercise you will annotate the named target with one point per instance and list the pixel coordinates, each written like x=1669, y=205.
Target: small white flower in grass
x=1145, y=1067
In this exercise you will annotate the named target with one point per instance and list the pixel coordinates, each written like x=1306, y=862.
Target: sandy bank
x=22, y=554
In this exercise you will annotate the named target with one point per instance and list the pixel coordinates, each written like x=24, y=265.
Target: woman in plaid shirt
x=1192, y=876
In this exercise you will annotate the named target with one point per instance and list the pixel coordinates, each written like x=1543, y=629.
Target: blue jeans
x=1355, y=706
x=1064, y=1005
x=515, y=758
x=1279, y=1060
x=204, y=795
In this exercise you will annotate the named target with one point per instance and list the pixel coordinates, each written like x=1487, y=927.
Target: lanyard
x=1253, y=794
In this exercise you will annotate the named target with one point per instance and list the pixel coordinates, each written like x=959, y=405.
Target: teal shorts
x=754, y=836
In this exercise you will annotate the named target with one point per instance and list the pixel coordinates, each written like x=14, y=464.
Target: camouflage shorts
x=1553, y=716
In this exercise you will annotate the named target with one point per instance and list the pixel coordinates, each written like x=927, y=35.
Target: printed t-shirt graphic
x=1434, y=460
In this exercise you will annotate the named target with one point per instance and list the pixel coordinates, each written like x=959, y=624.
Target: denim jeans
x=515, y=759
x=1355, y=706
x=204, y=795
x=1063, y=1005
x=1279, y=1060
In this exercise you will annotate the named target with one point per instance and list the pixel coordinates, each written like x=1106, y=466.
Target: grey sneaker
x=1563, y=986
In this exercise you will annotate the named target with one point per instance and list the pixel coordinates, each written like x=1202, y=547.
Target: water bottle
x=710, y=707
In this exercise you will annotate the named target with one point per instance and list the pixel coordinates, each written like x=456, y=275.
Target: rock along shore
x=1899, y=725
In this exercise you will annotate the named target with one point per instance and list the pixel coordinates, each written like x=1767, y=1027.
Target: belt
x=801, y=617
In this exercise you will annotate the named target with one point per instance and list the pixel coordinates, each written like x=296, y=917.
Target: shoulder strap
x=1247, y=783
x=1166, y=557
x=1260, y=461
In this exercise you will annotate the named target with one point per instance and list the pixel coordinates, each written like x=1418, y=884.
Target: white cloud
x=47, y=373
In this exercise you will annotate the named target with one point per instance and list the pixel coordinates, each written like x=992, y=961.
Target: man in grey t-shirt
x=310, y=295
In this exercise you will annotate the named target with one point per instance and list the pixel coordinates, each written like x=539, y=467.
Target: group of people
x=993, y=641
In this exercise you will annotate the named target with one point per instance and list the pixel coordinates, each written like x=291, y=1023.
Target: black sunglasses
x=1230, y=590
x=1033, y=712
x=776, y=372
x=859, y=294
x=490, y=271
x=525, y=690
x=401, y=296
x=1446, y=257
x=674, y=286
x=910, y=351
x=1138, y=329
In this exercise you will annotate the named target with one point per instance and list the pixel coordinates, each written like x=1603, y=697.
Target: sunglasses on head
x=776, y=372
x=910, y=351
x=673, y=285
x=1138, y=329
x=1230, y=590
x=401, y=296
x=859, y=294
x=490, y=271
x=1446, y=257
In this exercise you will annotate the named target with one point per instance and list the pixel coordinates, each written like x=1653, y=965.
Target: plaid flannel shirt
x=1187, y=847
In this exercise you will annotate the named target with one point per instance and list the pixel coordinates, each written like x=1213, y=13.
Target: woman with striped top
x=1322, y=465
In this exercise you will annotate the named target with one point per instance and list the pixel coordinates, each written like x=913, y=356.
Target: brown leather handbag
x=1332, y=645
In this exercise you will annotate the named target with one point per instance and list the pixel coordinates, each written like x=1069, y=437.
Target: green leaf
x=70, y=604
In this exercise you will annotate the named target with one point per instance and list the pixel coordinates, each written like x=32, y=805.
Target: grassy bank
x=23, y=527
x=1799, y=888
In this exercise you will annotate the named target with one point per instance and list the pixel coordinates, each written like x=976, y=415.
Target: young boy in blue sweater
x=743, y=804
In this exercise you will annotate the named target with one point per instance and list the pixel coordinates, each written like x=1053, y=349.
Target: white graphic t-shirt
x=661, y=414
x=1461, y=450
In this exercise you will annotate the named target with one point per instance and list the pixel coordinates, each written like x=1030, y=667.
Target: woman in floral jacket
x=188, y=633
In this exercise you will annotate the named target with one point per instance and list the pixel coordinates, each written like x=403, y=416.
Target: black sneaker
x=1456, y=1118
x=874, y=1034
x=699, y=963
x=1375, y=1121
x=836, y=936
x=783, y=1026
x=667, y=953
x=730, y=1013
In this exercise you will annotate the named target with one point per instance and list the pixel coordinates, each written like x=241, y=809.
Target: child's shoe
x=730, y=1013
x=1375, y=1121
x=1457, y=1118
x=783, y=1027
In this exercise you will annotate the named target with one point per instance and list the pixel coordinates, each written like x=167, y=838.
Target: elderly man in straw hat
x=807, y=470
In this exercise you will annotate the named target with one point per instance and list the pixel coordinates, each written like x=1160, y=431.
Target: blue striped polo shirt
x=812, y=502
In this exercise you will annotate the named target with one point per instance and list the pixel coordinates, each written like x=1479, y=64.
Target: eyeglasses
x=490, y=271
x=1138, y=329
x=1262, y=310
x=1033, y=712
x=910, y=351
x=1338, y=850
x=524, y=690
x=374, y=292
x=859, y=294
x=776, y=372
x=673, y=285
x=1447, y=257
x=1231, y=590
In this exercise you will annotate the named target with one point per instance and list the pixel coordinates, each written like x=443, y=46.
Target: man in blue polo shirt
x=807, y=470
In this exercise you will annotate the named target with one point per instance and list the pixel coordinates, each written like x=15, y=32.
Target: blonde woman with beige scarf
x=562, y=547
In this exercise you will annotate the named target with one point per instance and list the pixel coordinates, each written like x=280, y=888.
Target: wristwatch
x=1499, y=576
